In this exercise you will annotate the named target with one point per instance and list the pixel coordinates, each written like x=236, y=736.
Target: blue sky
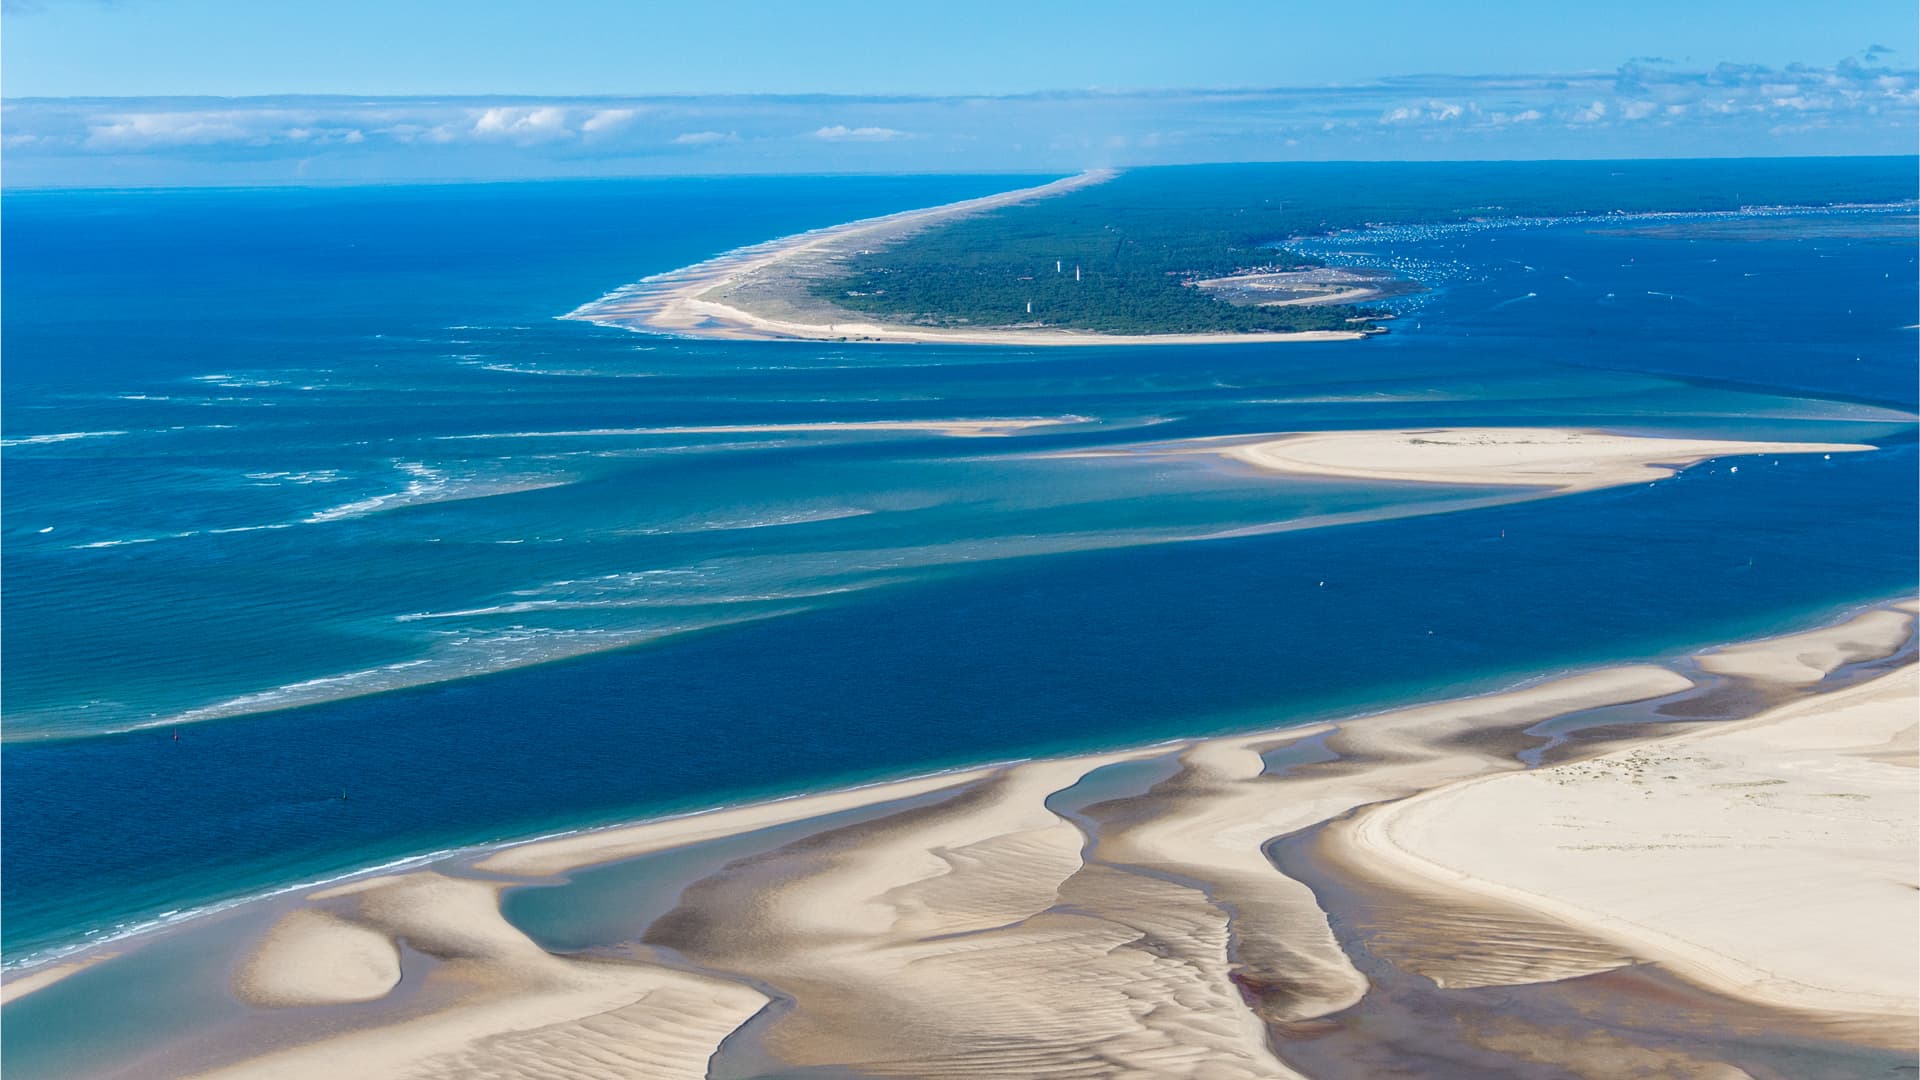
x=220, y=91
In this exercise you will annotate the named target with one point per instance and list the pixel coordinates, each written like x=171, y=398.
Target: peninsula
x=784, y=289
x=1166, y=256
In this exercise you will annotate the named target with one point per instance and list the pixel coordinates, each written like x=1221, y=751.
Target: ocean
x=328, y=544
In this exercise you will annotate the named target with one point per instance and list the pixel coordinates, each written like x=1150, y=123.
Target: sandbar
x=1806, y=658
x=1563, y=459
x=18, y=986
x=1252, y=904
x=313, y=957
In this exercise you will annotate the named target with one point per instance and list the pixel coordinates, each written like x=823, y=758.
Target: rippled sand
x=1396, y=891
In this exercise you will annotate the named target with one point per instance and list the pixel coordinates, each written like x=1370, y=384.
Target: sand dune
x=313, y=957
x=501, y=1005
x=1210, y=822
x=1771, y=859
x=970, y=938
x=1407, y=896
x=561, y=854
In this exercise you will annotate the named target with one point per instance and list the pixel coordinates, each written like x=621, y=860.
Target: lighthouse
x=1076, y=271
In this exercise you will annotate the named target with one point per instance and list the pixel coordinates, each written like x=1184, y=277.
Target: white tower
x=1076, y=272
x=1029, y=307
x=1056, y=266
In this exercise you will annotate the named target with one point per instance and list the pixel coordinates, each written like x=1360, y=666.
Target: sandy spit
x=760, y=292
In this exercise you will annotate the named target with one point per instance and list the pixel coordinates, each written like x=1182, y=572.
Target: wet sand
x=1685, y=889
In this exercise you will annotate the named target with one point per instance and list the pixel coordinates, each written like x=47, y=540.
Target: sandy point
x=761, y=292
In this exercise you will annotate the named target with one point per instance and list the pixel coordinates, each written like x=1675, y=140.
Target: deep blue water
x=334, y=442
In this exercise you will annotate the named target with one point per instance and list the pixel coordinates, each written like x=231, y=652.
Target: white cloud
x=522, y=123
x=605, y=120
x=839, y=132
x=1433, y=111
x=324, y=136
x=1641, y=109
x=135, y=130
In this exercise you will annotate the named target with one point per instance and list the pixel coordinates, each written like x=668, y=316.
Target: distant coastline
x=784, y=289
x=760, y=292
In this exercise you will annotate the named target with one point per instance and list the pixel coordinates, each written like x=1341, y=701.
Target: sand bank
x=500, y=1004
x=313, y=957
x=1330, y=900
x=1772, y=859
x=17, y=986
x=1558, y=458
x=763, y=291
x=1810, y=657
x=557, y=856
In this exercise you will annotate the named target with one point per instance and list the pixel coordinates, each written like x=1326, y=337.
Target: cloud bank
x=1645, y=108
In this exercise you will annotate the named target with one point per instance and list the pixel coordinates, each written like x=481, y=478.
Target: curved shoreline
x=727, y=296
x=705, y=299
x=1381, y=455
x=1206, y=824
x=1762, y=659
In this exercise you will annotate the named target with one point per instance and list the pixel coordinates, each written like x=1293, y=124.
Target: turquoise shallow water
x=288, y=448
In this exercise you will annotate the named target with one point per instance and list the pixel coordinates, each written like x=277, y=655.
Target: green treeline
x=1138, y=239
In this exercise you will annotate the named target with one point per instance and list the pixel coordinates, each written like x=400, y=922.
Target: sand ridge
x=978, y=930
x=503, y=1005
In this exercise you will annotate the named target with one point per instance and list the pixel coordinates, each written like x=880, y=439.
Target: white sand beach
x=1772, y=859
x=1802, y=659
x=1206, y=923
